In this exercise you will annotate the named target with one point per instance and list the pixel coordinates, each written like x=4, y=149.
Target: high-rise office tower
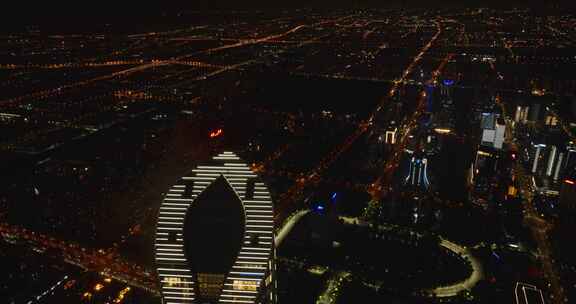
x=214, y=239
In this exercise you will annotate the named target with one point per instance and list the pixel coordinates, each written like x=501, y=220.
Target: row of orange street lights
x=104, y=261
x=153, y=63
x=377, y=189
x=315, y=175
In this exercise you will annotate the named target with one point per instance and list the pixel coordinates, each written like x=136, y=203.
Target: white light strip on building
x=210, y=172
x=251, y=262
x=174, y=269
x=228, y=154
x=180, y=293
x=169, y=228
x=208, y=183
x=243, y=175
x=248, y=267
x=261, y=237
x=236, y=165
x=176, y=204
x=169, y=245
x=178, y=199
x=257, y=231
x=245, y=279
x=170, y=259
x=239, y=291
x=237, y=296
x=235, y=301
x=173, y=213
x=235, y=170
x=177, y=288
x=169, y=254
x=260, y=226
x=247, y=273
x=243, y=257
x=255, y=248
x=202, y=178
x=172, y=223
x=249, y=252
x=176, y=298
x=175, y=275
x=258, y=206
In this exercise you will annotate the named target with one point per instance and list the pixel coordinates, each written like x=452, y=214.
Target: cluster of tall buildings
x=547, y=153
x=551, y=160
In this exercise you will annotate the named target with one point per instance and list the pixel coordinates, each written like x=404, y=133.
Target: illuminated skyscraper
x=418, y=172
x=214, y=239
x=493, y=130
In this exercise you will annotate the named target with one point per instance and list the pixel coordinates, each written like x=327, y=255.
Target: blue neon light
x=448, y=82
x=494, y=254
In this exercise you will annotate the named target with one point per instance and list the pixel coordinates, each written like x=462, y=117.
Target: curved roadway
x=463, y=252
x=288, y=225
x=468, y=283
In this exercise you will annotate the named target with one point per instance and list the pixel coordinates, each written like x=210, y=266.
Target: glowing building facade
x=418, y=172
x=214, y=237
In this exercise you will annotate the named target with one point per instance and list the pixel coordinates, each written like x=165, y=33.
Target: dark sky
x=26, y=11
